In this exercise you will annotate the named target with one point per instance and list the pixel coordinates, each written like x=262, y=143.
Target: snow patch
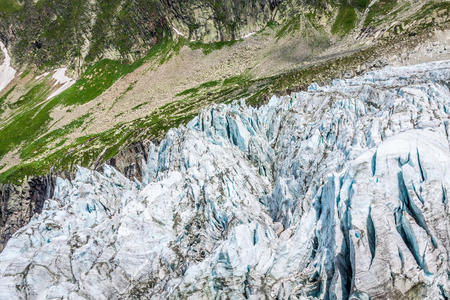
x=42, y=75
x=248, y=35
x=61, y=78
x=178, y=32
x=7, y=73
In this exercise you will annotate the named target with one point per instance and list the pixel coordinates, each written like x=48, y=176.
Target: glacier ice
x=337, y=192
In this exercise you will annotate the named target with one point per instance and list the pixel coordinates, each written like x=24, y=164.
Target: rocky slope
x=49, y=32
x=337, y=192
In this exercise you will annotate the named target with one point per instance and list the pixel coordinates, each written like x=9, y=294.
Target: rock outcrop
x=75, y=33
x=334, y=193
x=19, y=203
x=130, y=160
x=212, y=21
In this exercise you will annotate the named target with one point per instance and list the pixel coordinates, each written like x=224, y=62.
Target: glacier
x=337, y=192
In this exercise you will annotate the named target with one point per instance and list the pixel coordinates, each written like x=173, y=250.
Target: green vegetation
x=345, y=20
x=32, y=115
x=289, y=27
x=194, y=91
x=8, y=7
x=237, y=80
x=208, y=48
x=5, y=96
x=430, y=8
x=360, y=4
x=378, y=11
x=140, y=105
x=26, y=125
x=129, y=88
x=102, y=75
x=271, y=24
x=32, y=97
x=25, y=73
x=94, y=81
x=41, y=145
x=29, y=124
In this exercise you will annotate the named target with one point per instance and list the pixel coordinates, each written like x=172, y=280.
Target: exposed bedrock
x=20, y=202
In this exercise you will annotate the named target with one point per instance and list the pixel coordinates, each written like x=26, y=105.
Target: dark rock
x=18, y=203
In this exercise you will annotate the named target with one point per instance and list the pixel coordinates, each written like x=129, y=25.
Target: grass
x=208, y=87
x=32, y=115
x=5, y=96
x=40, y=145
x=210, y=47
x=129, y=88
x=24, y=127
x=140, y=105
x=31, y=120
x=25, y=73
x=433, y=6
x=345, y=21
x=360, y=4
x=32, y=97
x=289, y=27
x=94, y=81
x=378, y=11
x=8, y=7
x=194, y=91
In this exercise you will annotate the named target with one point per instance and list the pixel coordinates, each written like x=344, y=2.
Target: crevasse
x=334, y=193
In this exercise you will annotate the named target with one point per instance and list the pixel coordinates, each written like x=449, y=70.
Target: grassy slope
x=32, y=120
x=8, y=7
x=345, y=20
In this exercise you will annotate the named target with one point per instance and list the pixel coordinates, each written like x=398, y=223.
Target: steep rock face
x=19, y=203
x=130, y=160
x=74, y=32
x=335, y=193
x=51, y=33
x=221, y=20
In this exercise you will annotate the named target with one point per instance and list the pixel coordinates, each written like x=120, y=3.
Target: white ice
x=61, y=79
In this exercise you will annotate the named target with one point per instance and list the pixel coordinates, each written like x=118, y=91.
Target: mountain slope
x=340, y=191
x=114, y=98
